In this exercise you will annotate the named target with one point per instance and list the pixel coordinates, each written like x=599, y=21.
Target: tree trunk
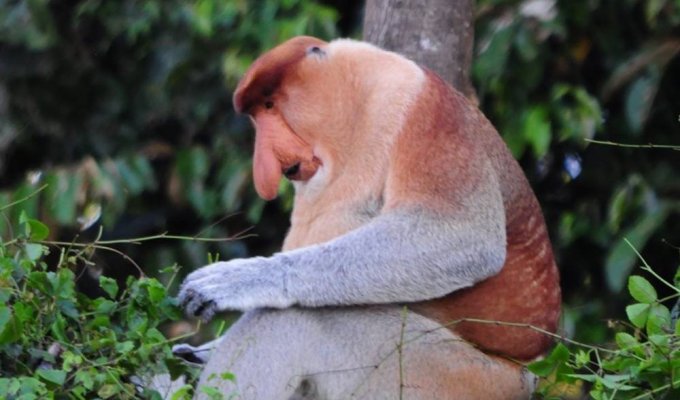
x=435, y=33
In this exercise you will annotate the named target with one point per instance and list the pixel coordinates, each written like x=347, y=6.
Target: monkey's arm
x=410, y=252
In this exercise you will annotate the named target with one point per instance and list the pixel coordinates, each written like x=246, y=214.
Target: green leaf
x=71, y=360
x=546, y=366
x=621, y=259
x=637, y=314
x=131, y=179
x=33, y=251
x=228, y=376
x=58, y=328
x=182, y=393
x=61, y=193
x=491, y=61
x=85, y=378
x=658, y=320
x=641, y=289
x=109, y=285
x=107, y=391
x=537, y=130
x=615, y=382
x=626, y=341
x=38, y=230
x=156, y=291
x=212, y=392
x=28, y=206
x=68, y=307
x=661, y=341
x=104, y=306
x=12, y=328
x=640, y=98
x=652, y=10
x=5, y=315
x=125, y=347
x=52, y=375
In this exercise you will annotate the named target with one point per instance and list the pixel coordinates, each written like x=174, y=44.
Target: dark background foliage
x=124, y=109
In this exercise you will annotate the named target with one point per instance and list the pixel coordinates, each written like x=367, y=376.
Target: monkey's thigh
x=355, y=353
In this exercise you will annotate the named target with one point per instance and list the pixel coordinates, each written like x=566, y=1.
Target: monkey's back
x=527, y=290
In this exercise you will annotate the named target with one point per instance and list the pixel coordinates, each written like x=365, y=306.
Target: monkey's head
x=317, y=105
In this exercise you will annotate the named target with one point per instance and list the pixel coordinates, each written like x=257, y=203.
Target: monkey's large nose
x=292, y=171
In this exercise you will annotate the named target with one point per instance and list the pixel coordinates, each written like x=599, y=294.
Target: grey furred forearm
x=405, y=254
x=398, y=257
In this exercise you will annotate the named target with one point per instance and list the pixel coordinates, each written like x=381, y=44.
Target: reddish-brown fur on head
x=264, y=77
x=277, y=147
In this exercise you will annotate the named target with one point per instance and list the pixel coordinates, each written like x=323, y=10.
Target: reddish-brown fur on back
x=527, y=288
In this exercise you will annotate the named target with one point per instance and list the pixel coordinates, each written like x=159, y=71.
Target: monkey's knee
x=305, y=390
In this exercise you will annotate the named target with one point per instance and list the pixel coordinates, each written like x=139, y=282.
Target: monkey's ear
x=265, y=75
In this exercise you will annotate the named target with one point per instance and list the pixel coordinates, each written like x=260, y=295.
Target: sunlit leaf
x=639, y=99
x=52, y=375
x=637, y=314
x=658, y=320
x=33, y=251
x=108, y=391
x=641, y=289
x=621, y=258
x=109, y=285
x=61, y=194
x=544, y=367
x=537, y=130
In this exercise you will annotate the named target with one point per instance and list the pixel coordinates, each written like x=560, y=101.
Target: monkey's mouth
x=292, y=171
x=302, y=170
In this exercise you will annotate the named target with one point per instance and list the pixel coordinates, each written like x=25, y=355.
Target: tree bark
x=437, y=34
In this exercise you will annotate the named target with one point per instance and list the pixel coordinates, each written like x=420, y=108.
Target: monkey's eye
x=268, y=104
x=316, y=51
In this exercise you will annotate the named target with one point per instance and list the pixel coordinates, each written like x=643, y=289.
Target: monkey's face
x=311, y=103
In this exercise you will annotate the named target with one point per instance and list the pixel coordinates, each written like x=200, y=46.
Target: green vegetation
x=56, y=342
x=643, y=364
x=552, y=80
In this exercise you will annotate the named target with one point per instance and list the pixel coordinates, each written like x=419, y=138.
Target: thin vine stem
x=637, y=146
x=21, y=200
x=649, y=269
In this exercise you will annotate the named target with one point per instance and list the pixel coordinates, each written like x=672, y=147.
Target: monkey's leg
x=356, y=353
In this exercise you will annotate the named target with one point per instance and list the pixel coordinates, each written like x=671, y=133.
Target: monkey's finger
x=201, y=308
x=185, y=296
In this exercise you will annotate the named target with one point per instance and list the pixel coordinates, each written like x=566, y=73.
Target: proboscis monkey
x=405, y=195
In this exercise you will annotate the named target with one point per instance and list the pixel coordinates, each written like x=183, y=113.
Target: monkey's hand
x=241, y=284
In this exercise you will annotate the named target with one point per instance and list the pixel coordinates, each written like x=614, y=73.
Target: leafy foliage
x=644, y=362
x=56, y=342
x=553, y=75
x=130, y=102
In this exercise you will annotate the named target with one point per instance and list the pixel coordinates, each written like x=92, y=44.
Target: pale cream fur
x=331, y=203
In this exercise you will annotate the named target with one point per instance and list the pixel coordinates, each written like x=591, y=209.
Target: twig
x=139, y=240
x=21, y=200
x=638, y=146
x=649, y=269
x=400, y=349
x=660, y=388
